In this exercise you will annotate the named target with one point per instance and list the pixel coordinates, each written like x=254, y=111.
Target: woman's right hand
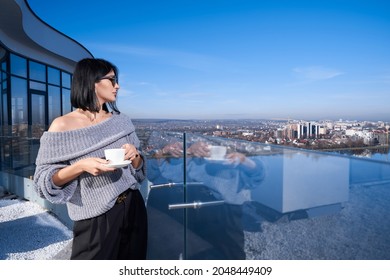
x=94, y=166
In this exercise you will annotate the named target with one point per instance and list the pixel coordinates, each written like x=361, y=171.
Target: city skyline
x=238, y=59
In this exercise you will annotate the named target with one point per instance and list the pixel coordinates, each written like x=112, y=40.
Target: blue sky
x=238, y=59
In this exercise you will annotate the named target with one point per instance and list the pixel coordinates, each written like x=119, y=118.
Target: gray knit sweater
x=87, y=196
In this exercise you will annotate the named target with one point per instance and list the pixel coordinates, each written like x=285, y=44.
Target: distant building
x=303, y=130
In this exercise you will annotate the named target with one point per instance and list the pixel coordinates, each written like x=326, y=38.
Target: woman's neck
x=94, y=117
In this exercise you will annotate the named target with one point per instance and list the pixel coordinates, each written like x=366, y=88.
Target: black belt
x=122, y=196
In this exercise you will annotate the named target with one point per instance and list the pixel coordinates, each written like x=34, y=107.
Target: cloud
x=316, y=73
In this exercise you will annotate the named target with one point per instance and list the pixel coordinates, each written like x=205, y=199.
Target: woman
x=104, y=202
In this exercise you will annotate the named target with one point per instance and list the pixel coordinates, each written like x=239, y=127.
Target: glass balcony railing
x=261, y=201
x=217, y=198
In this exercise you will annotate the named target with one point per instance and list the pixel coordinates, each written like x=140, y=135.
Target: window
x=65, y=80
x=38, y=86
x=38, y=111
x=66, y=108
x=54, y=106
x=3, y=91
x=3, y=70
x=53, y=76
x=32, y=93
x=37, y=71
x=19, y=108
x=18, y=66
x=5, y=109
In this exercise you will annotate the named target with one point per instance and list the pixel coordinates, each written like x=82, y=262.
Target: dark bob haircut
x=89, y=71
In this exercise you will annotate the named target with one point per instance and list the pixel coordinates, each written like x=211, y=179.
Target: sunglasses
x=113, y=79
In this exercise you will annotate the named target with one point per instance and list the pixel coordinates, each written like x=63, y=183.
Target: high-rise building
x=303, y=130
x=36, y=62
x=36, y=65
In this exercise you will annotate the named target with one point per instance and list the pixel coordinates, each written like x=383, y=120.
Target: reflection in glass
x=3, y=83
x=19, y=110
x=65, y=80
x=18, y=65
x=4, y=109
x=38, y=109
x=53, y=76
x=163, y=193
x=1, y=112
x=301, y=180
x=54, y=105
x=4, y=70
x=66, y=107
x=37, y=71
x=38, y=86
x=287, y=203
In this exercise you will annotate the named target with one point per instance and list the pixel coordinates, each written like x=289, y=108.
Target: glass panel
x=17, y=153
x=19, y=110
x=219, y=179
x=53, y=76
x=38, y=109
x=365, y=171
x=66, y=107
x=38, y=86
x=1, y=111
x=267, y=202
x=165, y=177
x=5, y=109
x=37, y=71
x=4, y=83
x=1, y=92
x=54, y=103
x=4, y=70
x=65, y=80
x=18, y=65
x=3, y=77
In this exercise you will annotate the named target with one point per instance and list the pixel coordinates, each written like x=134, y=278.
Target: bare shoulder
x=64, y=123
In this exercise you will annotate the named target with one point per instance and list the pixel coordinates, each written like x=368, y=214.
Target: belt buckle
x=121, y=198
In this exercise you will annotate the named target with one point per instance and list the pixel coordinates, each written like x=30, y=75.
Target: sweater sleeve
x=139, y=173
x=45, y=187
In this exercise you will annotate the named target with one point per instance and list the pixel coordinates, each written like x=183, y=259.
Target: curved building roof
x=24, y=33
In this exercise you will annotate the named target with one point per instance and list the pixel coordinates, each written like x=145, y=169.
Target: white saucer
x=119, y=164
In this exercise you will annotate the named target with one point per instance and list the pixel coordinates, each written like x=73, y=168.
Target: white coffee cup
x=217, y=152
x=115, y=155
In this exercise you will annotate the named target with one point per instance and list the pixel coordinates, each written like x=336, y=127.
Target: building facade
x=36, y=62
x=304, y=130
x=36, y=65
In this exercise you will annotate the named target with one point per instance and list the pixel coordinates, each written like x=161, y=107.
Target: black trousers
x=118, y=234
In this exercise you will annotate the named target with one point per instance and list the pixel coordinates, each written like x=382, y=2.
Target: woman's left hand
x=131, y=153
